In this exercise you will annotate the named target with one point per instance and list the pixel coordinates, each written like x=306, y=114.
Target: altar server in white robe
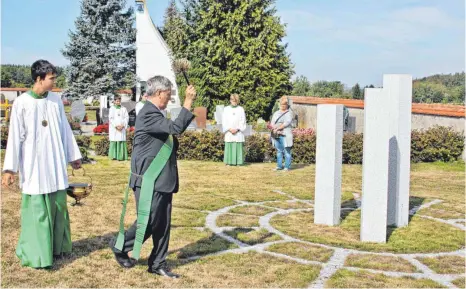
x=118, y=123
x=233, y=124
x=40, y=146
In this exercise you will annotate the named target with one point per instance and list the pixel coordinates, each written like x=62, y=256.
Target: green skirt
x=118, y=151
x=233, y=154
x=45, y=229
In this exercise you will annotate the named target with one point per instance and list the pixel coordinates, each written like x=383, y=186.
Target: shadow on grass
x=413, y=202
x=299, y=166
x=84, y=247
x=347, y=207
x=351, y=205
x=202, y=247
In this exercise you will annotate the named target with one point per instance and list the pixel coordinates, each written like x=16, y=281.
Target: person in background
x=118, y=123
x=234, y=123
x=282, y=134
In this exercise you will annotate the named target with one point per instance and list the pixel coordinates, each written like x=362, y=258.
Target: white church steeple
x=152, y=54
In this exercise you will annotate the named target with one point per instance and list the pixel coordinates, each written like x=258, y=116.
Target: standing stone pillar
x=399, y=92
x=375, y=166
x=328, y=164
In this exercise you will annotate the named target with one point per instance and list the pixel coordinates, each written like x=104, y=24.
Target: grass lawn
x=91, y=114
x=208, y=186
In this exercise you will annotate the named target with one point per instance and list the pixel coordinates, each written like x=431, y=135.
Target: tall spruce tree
x=101, y=51
x=235, y=47
x=175, y=31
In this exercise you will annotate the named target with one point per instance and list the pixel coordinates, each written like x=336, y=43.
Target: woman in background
x=234, y=123
x=282, y=134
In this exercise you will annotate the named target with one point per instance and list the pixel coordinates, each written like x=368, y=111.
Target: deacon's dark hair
x=40, y=68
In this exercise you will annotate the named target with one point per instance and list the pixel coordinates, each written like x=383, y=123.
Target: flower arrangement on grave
x=74, y=123
x=101, y=129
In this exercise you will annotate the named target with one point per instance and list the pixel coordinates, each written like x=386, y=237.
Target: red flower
x=103, y=128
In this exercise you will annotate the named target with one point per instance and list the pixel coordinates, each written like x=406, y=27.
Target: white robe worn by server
x=117, y=117
x=234, y=118
x=40, y=154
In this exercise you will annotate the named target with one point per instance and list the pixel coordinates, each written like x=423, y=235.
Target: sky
x=353, y=41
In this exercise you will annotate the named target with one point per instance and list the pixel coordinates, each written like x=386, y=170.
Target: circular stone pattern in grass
x=420, y=236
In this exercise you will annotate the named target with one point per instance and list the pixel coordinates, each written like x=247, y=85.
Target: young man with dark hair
x=40, y=146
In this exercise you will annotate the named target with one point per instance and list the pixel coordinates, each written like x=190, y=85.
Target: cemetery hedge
x=434, y=144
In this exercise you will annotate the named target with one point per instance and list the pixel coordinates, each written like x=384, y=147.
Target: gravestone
x=375, y=166
x=398, y=89
x=104, y=116
x=174, y=112
x=218, y=114
x=201, y=116
x=328, y=164
x=248, y=130
x=78, y=110
x=192, y=125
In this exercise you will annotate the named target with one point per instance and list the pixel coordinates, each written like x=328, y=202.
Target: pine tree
x=175, y=31
x=101, y=51
x=235, y=47
x=357, y=92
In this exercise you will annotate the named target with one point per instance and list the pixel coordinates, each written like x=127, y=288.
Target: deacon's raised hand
x=190, y=97
x=8, y=178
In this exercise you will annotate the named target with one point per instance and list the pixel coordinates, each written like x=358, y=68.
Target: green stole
x=145, y=198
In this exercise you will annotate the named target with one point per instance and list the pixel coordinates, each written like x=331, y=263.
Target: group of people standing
x=41, y=145
x=234, y=124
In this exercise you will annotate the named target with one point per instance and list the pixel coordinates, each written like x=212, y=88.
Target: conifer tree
x=101, y=50
x=235, y=47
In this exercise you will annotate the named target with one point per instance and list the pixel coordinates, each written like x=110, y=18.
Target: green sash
x=145, y=198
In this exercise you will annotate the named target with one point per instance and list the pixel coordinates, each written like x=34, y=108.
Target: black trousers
x=158, y=227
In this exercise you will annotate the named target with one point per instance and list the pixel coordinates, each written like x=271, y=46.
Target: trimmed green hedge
x=435, y=144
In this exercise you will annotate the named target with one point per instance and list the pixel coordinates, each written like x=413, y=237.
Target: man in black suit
x=152, y=131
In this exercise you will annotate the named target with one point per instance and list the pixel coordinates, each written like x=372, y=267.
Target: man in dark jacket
x=153, y=138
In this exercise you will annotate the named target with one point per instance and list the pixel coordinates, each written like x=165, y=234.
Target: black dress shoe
x=121, y=257
x=164, y=272
x=124, y=260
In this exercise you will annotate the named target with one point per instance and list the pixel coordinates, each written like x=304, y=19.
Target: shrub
x=259, y=126
x=4, y=136
x=437, y=143
x=304, y=149
x=258, y=148
x=434, y=144
x=84, y=141
x=352, y=148
x=204, y=145
x=129, y=141
x=102, y=146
